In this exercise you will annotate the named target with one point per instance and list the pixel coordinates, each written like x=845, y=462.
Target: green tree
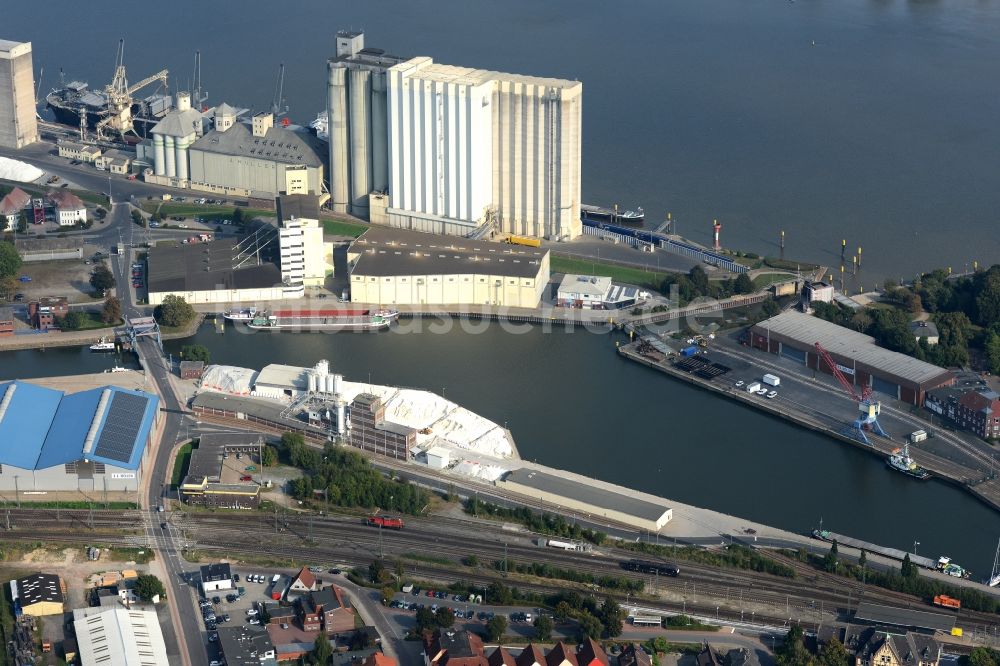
x=321, y=651
x=8, y=287
x=699, y=280
x=269, y=456
x=611, y=615
x=445, y=617
x=111, y=313
x=71, y=322
x=908, y=569
x=239, y=217
x=862, y=559
x=743, y=284
x=361, y=640
x=388, y=592
x=470, y=561
x=377, y=572
x=543, y=628
x=102, y=279
x=426, y=620
x=496, y=628
x=992, y=347
x=770, y=308
x=792, y=651
x=834, y=654
x=981, y=656
x=10, y=260
x=196, y=353
x=590, y=625
x=562, y=611
x=148, y=586
x=137, y=217
x=174, y=311
x=830, y=562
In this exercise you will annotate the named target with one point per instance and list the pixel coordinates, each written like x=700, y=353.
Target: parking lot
x=64, y=277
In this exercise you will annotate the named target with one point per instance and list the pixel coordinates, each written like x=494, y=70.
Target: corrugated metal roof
x=844, y=342
x=42, y=428
x=903, y=617
x=25, y=422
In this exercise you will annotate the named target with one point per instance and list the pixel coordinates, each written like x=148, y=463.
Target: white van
x=753, y=387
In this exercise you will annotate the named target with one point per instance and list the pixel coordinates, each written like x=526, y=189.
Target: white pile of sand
x=18, y=171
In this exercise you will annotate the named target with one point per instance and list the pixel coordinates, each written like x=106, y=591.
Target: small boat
x=901, y=461
x=946, y=567
x=244, y=314
x=995, y=578
x=117, y=368
x=102, y=345
x=323, y=320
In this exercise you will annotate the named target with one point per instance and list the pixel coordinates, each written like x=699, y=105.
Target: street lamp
x=915, y=544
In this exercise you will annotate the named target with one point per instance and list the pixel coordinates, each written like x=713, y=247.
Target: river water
x=572, y=403
x=869, y=120
x=872, y=121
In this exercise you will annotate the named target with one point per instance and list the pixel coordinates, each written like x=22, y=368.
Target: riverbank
x=962, y=476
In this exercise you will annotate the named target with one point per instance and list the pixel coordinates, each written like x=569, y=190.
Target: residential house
x=708, y=657
x=378, y=659
x=925, y=330
x=878, y=646
x=634, y=655
x=454, y=648
x=78, y=151
x=501, y=657
x=69, y=209
x=532, y=655
x=303, y=582
x=591, y=654
x=12, y=205
x=325, y=610
x=561, y=655
x=215, y=577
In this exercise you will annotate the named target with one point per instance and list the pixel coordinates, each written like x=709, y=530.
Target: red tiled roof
x=14, y=202
x=592, y=654
x=559, y=654
x=65, y=200
x=306, y=578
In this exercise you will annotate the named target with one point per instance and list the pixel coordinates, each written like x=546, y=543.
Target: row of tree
x=696, y=284
x=545, y=523
x=346, y=478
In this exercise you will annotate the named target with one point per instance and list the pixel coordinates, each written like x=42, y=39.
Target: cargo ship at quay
x=331, y=319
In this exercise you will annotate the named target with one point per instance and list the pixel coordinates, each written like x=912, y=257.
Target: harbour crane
x=868, y=409
x=118, y=114
x=278, y=106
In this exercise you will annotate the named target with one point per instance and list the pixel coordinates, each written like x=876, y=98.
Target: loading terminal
x=794, y=335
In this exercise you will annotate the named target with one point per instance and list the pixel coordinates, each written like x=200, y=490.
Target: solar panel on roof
x=121, y=427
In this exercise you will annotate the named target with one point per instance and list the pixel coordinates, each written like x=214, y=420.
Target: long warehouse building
x=88, y=441
x=794, y=335
x=398, y=267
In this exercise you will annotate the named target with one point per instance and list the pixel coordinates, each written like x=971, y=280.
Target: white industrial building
x=399, y=267
x=444, y=149
x=18, y=123
x=440, y=147
x=305, y=258
x=234, y=158
x=110, y=636
x=594, y=292
x=215, y=577
x=173, y=136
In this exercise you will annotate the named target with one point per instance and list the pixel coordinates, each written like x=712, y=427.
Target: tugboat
x=103, y=345
x=901, y=461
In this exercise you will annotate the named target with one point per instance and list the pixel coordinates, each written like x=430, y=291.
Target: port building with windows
x=401, y=267
x=455, y=150
x=793, y=334
x=306, y=259
x=96, y=440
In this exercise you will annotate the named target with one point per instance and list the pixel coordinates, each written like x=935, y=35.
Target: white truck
x=753, y=387
x=772, y=380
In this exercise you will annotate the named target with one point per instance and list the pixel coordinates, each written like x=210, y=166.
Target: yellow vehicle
x=524, y=240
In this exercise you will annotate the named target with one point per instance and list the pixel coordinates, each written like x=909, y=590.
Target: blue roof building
x=91, y=440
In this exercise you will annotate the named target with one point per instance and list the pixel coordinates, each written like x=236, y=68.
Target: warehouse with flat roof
x=794, y=335
x=86, y=441
x=119, y=636
x=401, y=267
x=214, y=272
x=567, y=493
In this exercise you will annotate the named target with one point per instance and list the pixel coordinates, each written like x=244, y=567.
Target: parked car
x=739, y=384
x=247, y=477
x=236, y=578
x=216, y=600
x=24, y=278
x=772, y=394
x=18, y=297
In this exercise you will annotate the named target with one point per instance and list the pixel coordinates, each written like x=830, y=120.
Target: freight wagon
x=386, y=522
x=663, y=568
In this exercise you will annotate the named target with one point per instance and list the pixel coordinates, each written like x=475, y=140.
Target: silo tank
x=341, y=417
x=338, y=384
x=312, y=382
x=359, y=92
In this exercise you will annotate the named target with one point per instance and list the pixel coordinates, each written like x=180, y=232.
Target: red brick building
x=43, y=313
x=454, y=648
x=979, y=412
x=6, y=321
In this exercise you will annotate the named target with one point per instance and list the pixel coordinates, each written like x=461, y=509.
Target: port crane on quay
x=868, y=409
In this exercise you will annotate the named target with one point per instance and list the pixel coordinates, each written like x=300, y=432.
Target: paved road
x=186, y=633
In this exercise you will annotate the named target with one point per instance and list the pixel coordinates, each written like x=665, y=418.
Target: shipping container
x=522, y=240
x=917, y=436
x=689, y=351
x=772, y=380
